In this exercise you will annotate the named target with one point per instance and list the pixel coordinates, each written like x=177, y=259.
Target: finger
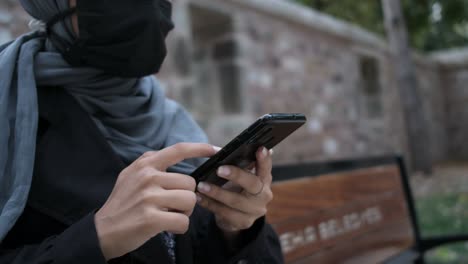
x=169, y=156
x=176, y=201
x=173, y=222
x=233, y=200
x=248, y=181
x=176, y=181
x=234, y=218
x=147, y=154
x=264, y=165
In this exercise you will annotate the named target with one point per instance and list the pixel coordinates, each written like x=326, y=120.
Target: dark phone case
x=268, y=131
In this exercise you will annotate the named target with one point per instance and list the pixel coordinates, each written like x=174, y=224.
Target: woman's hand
x=147, y=200
x=236, y=211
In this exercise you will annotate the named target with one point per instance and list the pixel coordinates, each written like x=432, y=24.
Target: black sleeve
x=76, y=245
x=260, y=244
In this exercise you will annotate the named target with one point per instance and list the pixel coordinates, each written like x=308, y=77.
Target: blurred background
x=370, y=84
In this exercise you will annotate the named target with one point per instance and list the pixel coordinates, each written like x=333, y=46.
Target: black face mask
x=125, y=38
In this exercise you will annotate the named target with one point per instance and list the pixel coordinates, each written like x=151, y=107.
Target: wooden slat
x=342, y=218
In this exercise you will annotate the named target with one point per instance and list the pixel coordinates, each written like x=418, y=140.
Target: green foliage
x=444, y=215
x=426, y=31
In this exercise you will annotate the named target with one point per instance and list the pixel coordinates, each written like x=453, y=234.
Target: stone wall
x=234, y=60
x=292, y=59
x=454, y=82
x=13, y=20
x=433, y=93
x=309, y=63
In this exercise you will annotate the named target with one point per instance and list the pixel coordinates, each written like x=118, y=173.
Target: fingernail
x=203, y=187
x=217, y=149
x=198, y=198
x=264, y=152
x=224, y=171
x=272, y=152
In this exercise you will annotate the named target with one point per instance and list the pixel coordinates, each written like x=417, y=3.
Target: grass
x=444, y=215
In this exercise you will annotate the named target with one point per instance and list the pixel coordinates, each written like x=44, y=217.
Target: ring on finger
x=259, y=192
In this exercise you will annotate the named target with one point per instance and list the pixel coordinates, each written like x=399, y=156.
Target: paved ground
x=450, y=177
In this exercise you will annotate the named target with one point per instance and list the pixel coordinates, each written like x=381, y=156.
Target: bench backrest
x=343, y=212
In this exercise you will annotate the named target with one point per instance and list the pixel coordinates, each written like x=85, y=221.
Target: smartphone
x=267, y=131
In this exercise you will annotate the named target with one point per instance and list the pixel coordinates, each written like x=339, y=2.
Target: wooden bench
x=357, y=211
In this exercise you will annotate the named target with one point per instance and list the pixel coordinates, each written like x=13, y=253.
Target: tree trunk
x=416, y=123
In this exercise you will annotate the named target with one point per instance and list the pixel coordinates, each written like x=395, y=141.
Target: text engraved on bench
x=329, y=229
x=353, y=217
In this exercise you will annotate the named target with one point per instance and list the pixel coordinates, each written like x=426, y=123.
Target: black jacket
x=74, y=173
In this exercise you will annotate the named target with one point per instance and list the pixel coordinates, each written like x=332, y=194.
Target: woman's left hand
x=236, y=211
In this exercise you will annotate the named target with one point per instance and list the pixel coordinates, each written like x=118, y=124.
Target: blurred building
x=231, y=61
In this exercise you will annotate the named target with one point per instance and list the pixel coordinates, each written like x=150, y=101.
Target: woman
x=93, y=164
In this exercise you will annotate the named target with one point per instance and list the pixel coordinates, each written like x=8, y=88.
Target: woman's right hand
x=147, y=200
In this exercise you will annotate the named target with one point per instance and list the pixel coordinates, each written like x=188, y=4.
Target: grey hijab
x=133, y=114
